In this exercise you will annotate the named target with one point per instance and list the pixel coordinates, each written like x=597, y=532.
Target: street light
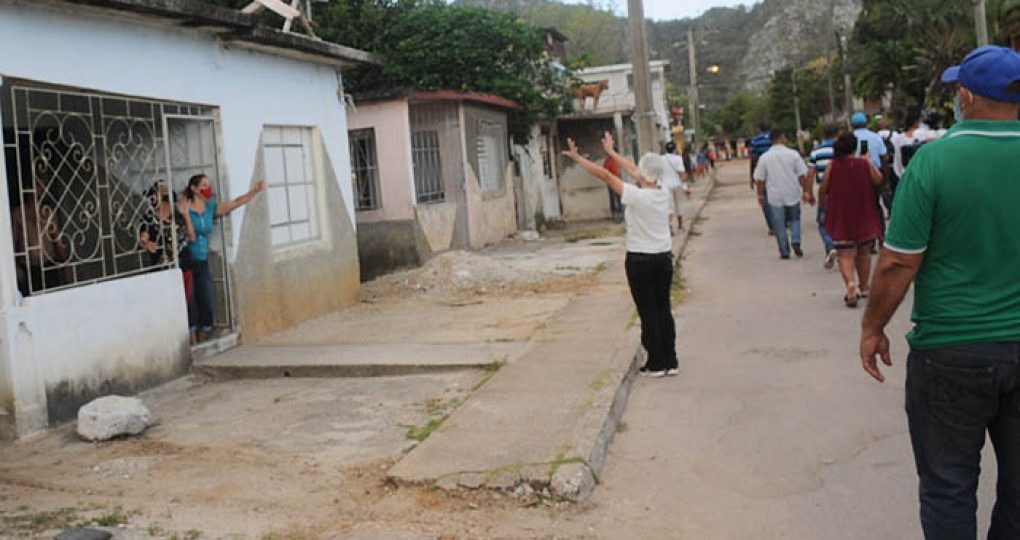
x=714, y=70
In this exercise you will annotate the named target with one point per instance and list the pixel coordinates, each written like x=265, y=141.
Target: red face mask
x=206, y=192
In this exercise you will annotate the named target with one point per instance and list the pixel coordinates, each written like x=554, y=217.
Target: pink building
x=431, y=172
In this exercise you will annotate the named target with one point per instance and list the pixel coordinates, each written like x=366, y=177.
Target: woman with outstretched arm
x=649, y=263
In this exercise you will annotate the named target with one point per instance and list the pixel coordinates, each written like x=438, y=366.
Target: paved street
x=772, y=430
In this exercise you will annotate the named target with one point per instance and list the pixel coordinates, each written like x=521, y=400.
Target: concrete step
x=354, y=360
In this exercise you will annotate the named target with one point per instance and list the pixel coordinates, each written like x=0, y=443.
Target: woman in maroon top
x=851, y=218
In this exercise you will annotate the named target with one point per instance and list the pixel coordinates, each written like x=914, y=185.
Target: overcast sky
x=672, y=9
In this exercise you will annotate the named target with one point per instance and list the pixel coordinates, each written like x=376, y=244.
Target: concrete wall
x=392, y=127
x=583, y=196
x=530, y=203
x=491, y=215
x=277, y=289
x=113, y=337
x=125, y=334
x=438, y=222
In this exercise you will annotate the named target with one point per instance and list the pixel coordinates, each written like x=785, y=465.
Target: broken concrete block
x=107, y=417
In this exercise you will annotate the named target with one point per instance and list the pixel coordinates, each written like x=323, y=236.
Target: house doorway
x=192, y=149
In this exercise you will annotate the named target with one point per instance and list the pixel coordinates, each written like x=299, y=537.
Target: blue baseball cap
x=859, y=119
x=990, y=71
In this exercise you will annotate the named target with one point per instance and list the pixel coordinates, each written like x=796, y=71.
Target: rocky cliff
x=748, y=44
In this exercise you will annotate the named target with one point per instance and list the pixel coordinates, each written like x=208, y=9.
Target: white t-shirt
x=781, y=168
x=899, y=140
x=646, y=213
x=671, y=177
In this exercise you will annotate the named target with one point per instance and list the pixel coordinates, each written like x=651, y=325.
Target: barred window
x=293, y=191
x=428, y=169
x=365, y=169
x=88, y=184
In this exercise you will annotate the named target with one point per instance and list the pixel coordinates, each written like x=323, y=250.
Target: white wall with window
x=292, y=188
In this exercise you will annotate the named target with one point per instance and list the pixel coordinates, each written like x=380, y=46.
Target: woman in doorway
x=649, y=262
x=851, y=217
x=199, y=208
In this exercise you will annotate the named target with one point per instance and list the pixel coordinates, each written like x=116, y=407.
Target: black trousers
x=650, y=277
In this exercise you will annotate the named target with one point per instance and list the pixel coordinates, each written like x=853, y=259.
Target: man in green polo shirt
x=956, y=235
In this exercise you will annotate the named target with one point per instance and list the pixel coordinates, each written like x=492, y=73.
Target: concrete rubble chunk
x=530, y=236
x=111, y=416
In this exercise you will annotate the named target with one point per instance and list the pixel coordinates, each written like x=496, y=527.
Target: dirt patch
x=460, y=275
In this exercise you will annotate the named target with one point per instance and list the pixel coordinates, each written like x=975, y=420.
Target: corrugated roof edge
x=240, y=29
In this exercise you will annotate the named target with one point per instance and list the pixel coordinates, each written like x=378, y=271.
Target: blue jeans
x=783, y=216
x=200, y=313
x=826, y=239
x=955, y=396
x=765, y=209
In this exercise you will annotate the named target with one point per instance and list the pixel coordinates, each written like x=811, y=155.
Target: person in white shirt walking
x=675, y=180
x=783, y=174
x=649, y=263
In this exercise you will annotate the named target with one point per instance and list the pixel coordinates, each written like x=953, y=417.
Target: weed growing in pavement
x=600, y=267
x=600, y=381
x=436, y=406
x=112, y=518
x=39, y=522
x=621, y=427
x=588, y=234
x=420, y=433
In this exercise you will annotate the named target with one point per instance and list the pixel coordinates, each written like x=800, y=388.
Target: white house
x=102, y=102
x=582, y=196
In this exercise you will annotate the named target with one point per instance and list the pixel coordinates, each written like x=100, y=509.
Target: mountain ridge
x=747, y=43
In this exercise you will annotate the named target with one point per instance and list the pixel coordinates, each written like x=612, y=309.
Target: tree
x=905, y=45
x=440, y=47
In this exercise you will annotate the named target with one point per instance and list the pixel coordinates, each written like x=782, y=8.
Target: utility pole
x=848, y=90
x=692, y=93
x=796, y=112
x=828, y=65
x=643, y=109
x=981, y=22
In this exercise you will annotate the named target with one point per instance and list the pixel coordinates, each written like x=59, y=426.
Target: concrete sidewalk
x=546, y=419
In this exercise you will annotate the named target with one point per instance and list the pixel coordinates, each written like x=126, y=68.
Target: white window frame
x=493, y=132
x=280, y=138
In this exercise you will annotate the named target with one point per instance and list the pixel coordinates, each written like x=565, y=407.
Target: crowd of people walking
x=941, y=205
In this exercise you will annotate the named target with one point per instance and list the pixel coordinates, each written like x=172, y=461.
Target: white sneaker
x=830, y=259
x=672, y=372
x=645, y=372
